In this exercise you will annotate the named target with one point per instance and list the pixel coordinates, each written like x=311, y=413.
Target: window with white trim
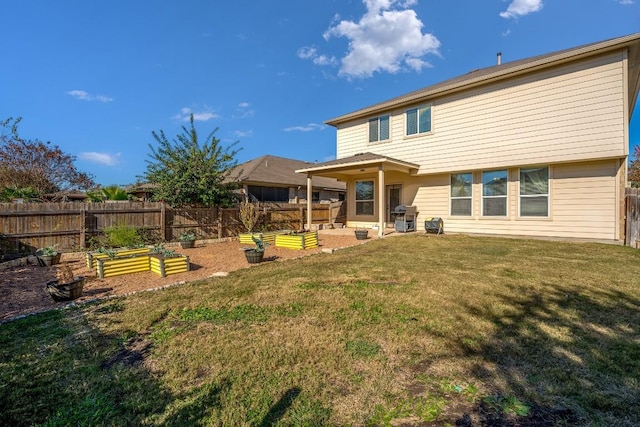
x=418, y=120
x=461, y=194
x=494, y=193
x=364, y=197
x=534, y=191
x=379, y=128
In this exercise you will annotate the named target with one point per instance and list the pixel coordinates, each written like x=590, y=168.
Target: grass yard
x=414, y=330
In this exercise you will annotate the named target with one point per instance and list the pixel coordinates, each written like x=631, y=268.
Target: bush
x=123, y=236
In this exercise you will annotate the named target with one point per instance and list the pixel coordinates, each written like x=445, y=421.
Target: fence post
x=221, y=227
x=163, y=222
x=83, y=226
x=631, y=232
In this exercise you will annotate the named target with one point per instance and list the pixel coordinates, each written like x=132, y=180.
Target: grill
x=405, y=218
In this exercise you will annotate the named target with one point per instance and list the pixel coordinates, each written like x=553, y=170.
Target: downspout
x=381, y=201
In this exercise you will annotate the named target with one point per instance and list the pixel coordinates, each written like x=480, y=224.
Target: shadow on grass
x=279, y=409
x=562, y=356
x=58, y=369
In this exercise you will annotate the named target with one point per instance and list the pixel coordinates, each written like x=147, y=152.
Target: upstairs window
x=494, y=193
x=379, y=129
x=461, y=192
x=418, y=120
x=534, y=191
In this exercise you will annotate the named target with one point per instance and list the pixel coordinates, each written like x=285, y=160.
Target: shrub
x=123, y=236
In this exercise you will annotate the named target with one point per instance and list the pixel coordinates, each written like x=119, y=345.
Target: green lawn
x=414, y=330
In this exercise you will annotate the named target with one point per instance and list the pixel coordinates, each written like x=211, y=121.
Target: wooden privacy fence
x=24, y=227
x=632, y=205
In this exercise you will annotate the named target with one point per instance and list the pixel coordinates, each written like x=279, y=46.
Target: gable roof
x=280, y=171
x=361, y=160
x=511, y=69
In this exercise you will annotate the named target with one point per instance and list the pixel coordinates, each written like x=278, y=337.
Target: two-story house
x=534, y=147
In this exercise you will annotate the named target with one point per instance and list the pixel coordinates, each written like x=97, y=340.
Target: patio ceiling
x=363, y=163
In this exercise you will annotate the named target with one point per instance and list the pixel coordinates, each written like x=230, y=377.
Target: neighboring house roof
x=361, y=161
x=511, y=69
x=280, y=171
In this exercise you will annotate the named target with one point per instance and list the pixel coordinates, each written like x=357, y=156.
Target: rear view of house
x=535, y=147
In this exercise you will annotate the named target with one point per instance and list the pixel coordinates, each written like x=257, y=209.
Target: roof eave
x=360, y=164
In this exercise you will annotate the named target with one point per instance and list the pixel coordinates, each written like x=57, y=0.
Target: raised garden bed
x=136, y=263
x=297, y=240
x=92, y=257
x=168, y=266
x=270, y=237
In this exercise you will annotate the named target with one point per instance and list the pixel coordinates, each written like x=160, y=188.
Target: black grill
x=405, y=218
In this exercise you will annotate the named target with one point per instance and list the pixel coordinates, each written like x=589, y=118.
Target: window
x=268, y=194
x=461, y=194
x=494, y=193
x=315, y=196
x=418, y=120
x=379, y=129
x=364, y=198
x=534, y=191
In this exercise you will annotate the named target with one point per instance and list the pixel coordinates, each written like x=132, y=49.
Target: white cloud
x=312, y=54
x=387, y=38
x=106, y=159
x=521, y=8
x=243, y=133
x=198, y=116
x=626, y=1
x=306, y=128
x=243, y=111
x=86, y=96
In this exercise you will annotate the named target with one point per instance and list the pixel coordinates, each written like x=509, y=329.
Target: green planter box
x=108, y=267
x=92, y=257
x=297, y=240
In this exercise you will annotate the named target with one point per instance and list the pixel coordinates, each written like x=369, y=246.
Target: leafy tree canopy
x=634, y=168
x=36, y=167
x=189, y=173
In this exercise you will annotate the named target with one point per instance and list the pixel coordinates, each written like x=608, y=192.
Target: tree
x=39, y=166
x=113, y=192
x=634, y=168
x=188, y=173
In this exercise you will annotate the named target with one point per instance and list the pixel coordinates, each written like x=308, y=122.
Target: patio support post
x=381, y=201
x=309, y=201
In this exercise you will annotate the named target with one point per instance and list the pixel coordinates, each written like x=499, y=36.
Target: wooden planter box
x=298, y=240
x=65, y=291
x=108, y=267
x=92, y=257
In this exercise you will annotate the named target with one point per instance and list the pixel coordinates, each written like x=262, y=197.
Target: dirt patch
x=23, y=288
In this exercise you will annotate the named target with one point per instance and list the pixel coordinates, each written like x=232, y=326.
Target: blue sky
x=97, y=77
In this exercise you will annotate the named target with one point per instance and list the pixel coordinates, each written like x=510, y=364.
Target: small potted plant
x=66, y=287
x=187, y=239
x=48, y=256
x=256, y=254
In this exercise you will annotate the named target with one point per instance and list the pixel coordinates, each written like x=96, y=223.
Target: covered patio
x=365, y=175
